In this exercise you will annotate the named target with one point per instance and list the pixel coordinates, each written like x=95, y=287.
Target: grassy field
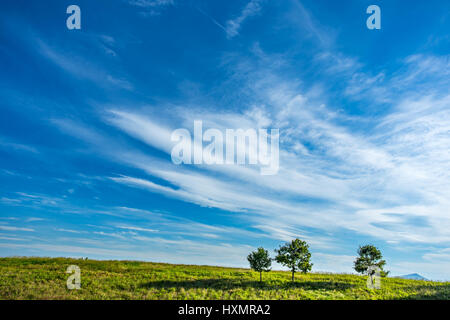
x=45, y=278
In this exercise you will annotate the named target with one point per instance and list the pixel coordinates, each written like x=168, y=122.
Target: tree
x=369, y=255
x=260, y=261
x=295, y=255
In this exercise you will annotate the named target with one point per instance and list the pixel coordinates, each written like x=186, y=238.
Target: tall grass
x=45, y=278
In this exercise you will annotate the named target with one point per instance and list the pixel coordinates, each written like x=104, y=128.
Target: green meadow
x=45, y=278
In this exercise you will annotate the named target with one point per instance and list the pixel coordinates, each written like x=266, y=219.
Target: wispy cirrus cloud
x=80, y=68
x=12, y=228
x=68, y=230
x=26, y=199
x=363, y=183
x=151, y=7
x=132, y=228
x=150, y=3
x=363, y=149
x=232, y=26
x=13, y=145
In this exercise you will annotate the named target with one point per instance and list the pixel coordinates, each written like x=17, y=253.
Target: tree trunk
x=293, y=272
x=260, y=277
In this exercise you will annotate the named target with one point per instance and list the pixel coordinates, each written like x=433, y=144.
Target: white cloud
x=7, y=143
x=367, y=177
x=80, y=68
x=68, y=230
x=362, y=179
x=301, y=16
x=109, y=234
x=150, y=3
x=233, y=26
x=389, y=181
x=151, y=7
x=32, y=219
x=137, y=229
x=10, y=228
x=339, y=263
x=13, y=238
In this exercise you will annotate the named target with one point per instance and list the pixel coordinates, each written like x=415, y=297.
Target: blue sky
x=364, y=120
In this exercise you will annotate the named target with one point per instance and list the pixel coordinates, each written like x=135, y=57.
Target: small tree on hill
x=368, y=256
x=295, y=255
x=260, y=261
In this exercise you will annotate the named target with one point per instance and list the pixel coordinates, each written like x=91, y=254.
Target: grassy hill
x=45, y=278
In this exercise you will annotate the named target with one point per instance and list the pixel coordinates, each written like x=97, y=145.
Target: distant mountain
x=413, y=276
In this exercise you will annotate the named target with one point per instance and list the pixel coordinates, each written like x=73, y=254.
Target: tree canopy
x=368, y=256
x=260, y=261
x=295, y=255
